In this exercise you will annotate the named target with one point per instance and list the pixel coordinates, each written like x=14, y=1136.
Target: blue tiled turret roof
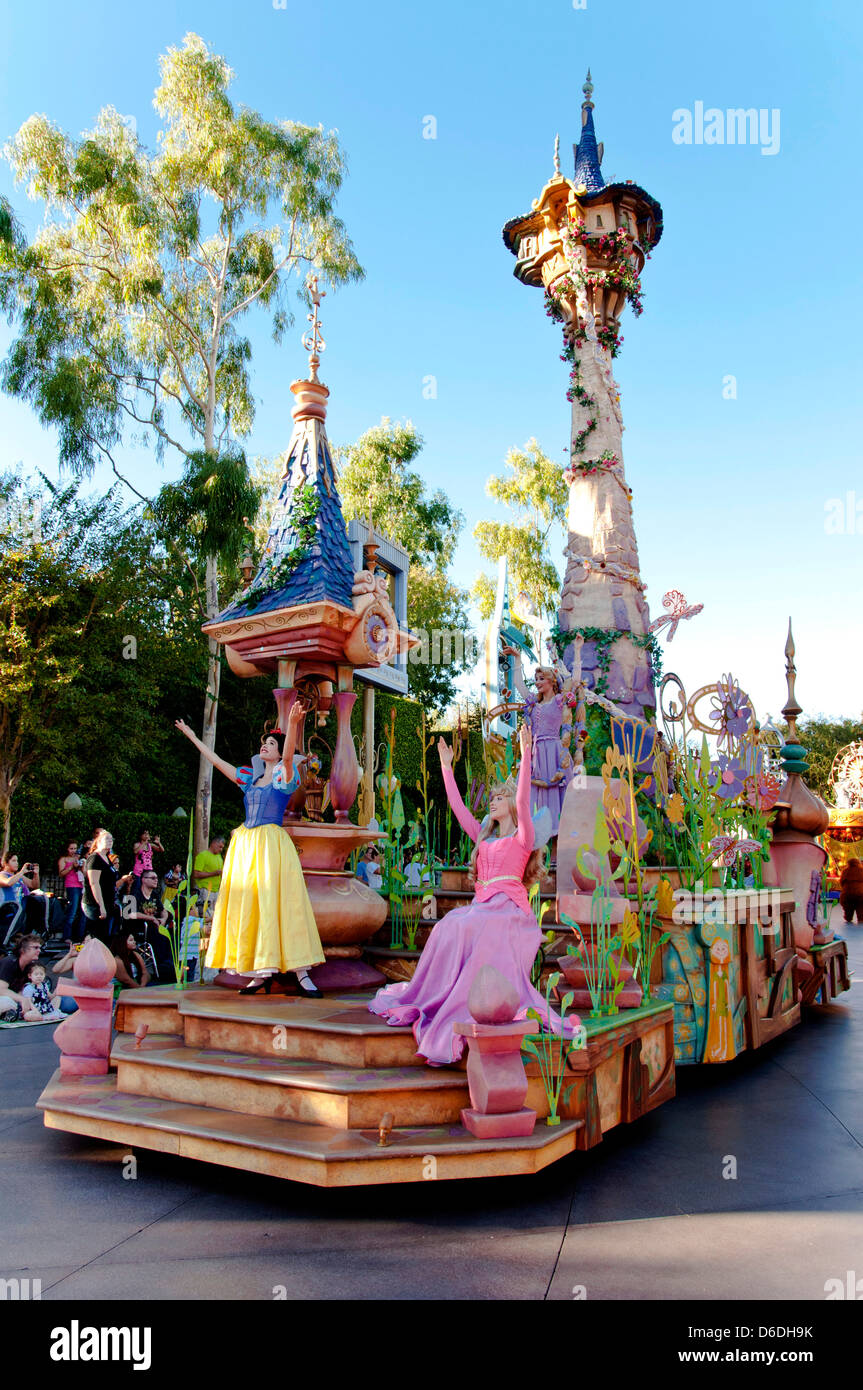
x=587, y=170
x=588, y=176
x=326, y=571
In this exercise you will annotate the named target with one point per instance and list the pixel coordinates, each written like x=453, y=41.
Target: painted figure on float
x=498, y=928
x=263, y=923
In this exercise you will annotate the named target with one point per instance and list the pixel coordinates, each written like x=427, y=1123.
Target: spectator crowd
x=137, y=914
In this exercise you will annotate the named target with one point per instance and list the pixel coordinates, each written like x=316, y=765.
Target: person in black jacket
x=100, y=883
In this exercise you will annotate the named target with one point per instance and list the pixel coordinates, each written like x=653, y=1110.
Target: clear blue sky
x=757, y=274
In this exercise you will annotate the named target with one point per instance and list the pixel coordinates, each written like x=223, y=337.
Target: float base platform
x=306, y=1089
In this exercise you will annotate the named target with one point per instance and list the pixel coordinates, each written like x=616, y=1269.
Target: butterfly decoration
x=727, y=848
x=676, y=602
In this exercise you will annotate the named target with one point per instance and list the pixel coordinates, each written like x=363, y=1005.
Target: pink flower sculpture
x=761, y=790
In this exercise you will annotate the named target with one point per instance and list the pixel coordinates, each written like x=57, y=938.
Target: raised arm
x=524, y=833
x=295, y=719
x=229, y=771
x=468, y=823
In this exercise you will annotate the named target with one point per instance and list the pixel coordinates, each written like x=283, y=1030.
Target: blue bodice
x=266, y=805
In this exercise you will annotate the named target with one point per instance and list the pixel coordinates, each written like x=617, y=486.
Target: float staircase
x=320, y=1091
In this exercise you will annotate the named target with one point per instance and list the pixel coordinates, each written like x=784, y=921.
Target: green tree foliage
x=85, y=644
x=134, y=294
x=823, y=739
x=375, y=475
x=535, y=490
x=100, y=652
x=11, y=245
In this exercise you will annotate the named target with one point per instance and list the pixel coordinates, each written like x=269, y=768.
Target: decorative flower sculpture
x=761, y=790
x=637, y=740
x=630, y=932
x=614, y=796
x=727, y=777
x=660, y=769
x=675, y=809
x=732, y=711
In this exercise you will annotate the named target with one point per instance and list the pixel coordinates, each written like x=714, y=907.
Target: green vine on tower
x=305, y=507
x=604, y=639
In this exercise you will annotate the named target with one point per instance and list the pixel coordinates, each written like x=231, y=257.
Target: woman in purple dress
x=549, y=718
x=498, y=928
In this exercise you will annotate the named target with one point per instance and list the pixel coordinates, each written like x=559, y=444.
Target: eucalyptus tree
x=535, y=490
x=376, y=479
x=133, y=296
x=11, y=244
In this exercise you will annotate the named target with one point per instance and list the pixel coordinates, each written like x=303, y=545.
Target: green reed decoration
x=178, y=939
x=552, y=1049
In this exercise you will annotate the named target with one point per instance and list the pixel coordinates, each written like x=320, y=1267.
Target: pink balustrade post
x=343, y=774
x=285, y=700
x=495, y=1071
x=84, y=1038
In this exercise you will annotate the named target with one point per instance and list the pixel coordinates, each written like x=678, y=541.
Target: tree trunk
x=6, y=813
x=204, y=794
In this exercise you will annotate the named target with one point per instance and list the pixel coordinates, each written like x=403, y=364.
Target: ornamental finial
x=557, y=154
x=588, y=90
x=314, y=342
x=792, y=709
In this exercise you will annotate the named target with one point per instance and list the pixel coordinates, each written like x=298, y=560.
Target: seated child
x=39, y=995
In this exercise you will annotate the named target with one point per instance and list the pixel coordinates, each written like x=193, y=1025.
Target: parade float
x=681, y=898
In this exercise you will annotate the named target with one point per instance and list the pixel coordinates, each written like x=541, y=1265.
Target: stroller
x=39, y=914
x=11, y=921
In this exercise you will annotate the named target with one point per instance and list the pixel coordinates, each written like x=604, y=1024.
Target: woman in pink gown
x=498, y=928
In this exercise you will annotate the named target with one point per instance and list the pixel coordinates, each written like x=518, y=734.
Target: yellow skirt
x=263, y=919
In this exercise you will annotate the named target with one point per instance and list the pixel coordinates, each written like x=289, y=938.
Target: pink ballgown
x=498, y=928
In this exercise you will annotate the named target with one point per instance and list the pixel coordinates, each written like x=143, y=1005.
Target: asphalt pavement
x=749, y=1185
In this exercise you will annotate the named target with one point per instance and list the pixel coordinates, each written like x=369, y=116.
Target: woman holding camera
x=69, y=873
x=15, y=885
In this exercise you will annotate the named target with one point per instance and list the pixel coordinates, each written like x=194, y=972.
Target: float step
x=313, y=1092
x=307, y=1153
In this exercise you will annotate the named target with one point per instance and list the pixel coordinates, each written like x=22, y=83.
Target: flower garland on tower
x=619, y=274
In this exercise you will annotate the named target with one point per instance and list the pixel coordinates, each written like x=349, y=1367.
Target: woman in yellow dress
x=263, y=923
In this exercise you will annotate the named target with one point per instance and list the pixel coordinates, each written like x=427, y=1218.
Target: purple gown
x=545, y=719
x=498, y=928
